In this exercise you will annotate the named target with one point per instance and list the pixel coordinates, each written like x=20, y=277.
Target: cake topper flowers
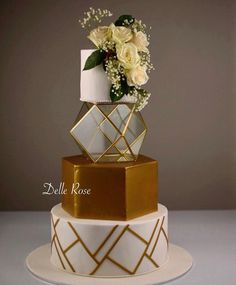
x=122, y=49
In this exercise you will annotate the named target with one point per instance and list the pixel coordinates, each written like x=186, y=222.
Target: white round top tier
x=94, y=84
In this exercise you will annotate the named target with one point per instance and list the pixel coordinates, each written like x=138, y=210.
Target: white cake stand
x=38, y=263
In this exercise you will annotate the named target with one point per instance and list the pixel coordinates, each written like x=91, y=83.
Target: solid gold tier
x=118, y=191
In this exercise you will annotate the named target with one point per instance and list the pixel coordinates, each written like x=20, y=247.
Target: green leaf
x=94, y=59
x=121, y=20
x=123, y=90
x=113, y=94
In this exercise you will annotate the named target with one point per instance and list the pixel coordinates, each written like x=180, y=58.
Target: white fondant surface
x=38, y=263
x=109, y=248
x=94, y=84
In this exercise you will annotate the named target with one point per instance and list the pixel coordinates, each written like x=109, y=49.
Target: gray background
x=191, y=115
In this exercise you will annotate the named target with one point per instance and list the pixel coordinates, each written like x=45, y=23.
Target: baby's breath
x=108, y=46
x=94, y=17
x=138, y=25
x=114, y=72
x=145, y=60
x=141, y=97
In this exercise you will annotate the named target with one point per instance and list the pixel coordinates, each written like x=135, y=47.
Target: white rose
x=140, y=40
x=100, y=35
x=128, y=55
x=120, y=34
x=137, y=76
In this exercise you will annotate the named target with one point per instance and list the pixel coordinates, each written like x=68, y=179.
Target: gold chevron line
x=158, y=235
x=68, y=261
x=119, y=265
x=71, y=245
x=140, y=260
x=53, y=238
x=137, y=235
x=165, y=235
x=83, y=244
x=146, y=255
x=59, y=254
x=52, y=241
x=145, y=251
x=105, y=240
x=113, y=245
x=56, y=223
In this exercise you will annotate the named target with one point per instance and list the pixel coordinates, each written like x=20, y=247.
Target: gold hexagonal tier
x=109, y=132
x=117, y=191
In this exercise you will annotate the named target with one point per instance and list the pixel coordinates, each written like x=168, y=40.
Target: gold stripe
x=143, y=133
x=127, y=123
x=137, y=266
x=119, y=265
x=81, y=241
x=152, y=260
x=72, y=268
x=157, y=237
x=52, y=241
x=138, y=236
x=166, y=237
x=105, y=240
x=56, y=223
x=111, y=248
x=99, y=128
x=107, y=149
x=113, y=245
x=71, y=245
x=59, y=255
x=131, y=152
x=109, y=120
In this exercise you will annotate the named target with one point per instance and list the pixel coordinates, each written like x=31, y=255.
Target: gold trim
x=158, y=235
x=106, y=256
x=138, y=236
x=146, y=255
x=81, y=241
x=127, y=123
x=110, y=121
x=137, y=138
x=145, y=251
x=110, y=249
x=105, y=240
x=71, y=245
x=99, y=129
x=104, y=153
x=165, y=235
x=121, y=134
x=59, y=255
x=119, y=265
x=58, y=241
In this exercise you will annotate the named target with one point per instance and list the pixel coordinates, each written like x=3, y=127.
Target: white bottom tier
x=105, y=248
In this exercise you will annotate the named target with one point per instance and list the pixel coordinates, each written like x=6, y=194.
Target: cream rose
x=140, y=40
x=137, y=76
x=128, y=55
x=120, y=34
x=100, y=35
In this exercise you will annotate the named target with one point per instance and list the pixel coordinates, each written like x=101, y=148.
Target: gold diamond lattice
x=109, y=132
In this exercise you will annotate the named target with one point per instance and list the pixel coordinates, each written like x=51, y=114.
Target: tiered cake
x=111, y=224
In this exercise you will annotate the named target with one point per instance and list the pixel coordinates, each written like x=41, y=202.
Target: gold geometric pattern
x=149, y=245
x=109, y=132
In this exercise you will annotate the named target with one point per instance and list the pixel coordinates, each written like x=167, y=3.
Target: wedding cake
x=119, y=229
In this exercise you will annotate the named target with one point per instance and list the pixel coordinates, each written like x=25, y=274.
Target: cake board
x=39, y=265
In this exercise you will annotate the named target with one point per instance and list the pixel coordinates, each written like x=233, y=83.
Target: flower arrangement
x=122, y=49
